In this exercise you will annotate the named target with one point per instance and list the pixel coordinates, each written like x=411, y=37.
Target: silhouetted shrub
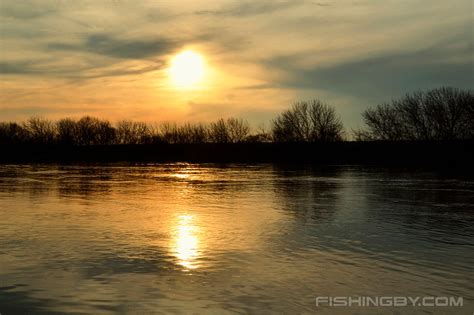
x=187, y=133
x=130, y=132
x=190, y=133
x=232, y=130
x=439, y=114
x=40, y=130
x=66, y=131
x=218, y=132
x=238, y=129
x=93, y=131
x=169, y=132
x=308, y=122
x=12, y=133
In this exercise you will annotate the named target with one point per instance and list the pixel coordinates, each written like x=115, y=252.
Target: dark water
x=262, y=239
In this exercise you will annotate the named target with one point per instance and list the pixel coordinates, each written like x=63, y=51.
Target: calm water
x=185, y=238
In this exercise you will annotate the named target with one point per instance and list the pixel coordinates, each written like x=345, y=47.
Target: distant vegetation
x=94, y=131
x=308, y=122
x=439, y=114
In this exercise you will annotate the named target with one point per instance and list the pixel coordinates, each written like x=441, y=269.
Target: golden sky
x=112, y=58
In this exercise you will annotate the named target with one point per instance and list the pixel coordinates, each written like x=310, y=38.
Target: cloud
x=36, y=67
x=125, y=71
x=263, y=86
x=118, y=52
x=248, y=8
x=252, y=8
x=75, y=72
x=386, y=74
x=26, y=10
x=45, y=111
x=107, y=45
x=17, y=67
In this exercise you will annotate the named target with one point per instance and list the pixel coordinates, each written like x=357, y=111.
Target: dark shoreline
x=453, y=154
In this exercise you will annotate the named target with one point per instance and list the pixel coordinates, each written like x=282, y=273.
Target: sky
x=111, y=58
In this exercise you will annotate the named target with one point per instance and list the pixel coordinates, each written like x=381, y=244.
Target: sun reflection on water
x=181, y=176
x=186, y=242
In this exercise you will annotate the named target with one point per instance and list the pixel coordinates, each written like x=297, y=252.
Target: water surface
x=188, y=238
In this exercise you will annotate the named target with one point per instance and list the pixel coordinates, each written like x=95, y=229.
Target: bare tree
x=67, y=130
x=219, y=132
x=105, y=134
x=325, y=124
x=439, y=114
x=292, y=125
x=187, y=133
x=308, y=122
x=155, y=135
x=385, y=123
x=193, y=133
x=169, y=132
x=12, y=133
x=86, y=131
x=93, y=131
x=130, y=132
x=40, y=130
x=238, y=129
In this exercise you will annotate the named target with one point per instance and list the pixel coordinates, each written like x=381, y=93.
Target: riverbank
x=444, y=154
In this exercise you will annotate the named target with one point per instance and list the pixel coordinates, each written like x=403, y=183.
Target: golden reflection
x=186, y=241
x=181, y=176
x=183, y=172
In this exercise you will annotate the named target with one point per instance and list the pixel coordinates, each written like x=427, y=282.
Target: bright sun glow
x=187, y=69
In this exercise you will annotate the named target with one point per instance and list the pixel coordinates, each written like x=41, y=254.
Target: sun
x=187, y=69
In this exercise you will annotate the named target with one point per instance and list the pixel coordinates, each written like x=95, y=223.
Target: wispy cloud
x=386, y=74
x=26, y=10
x=249, y=8
x=107, y=45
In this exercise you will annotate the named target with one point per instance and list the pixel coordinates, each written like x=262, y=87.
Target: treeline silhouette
x=89, y=130
x=439, y=114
